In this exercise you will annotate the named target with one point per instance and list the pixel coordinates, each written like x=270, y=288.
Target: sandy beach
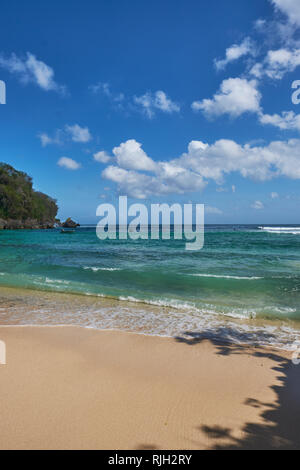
x=75, y=388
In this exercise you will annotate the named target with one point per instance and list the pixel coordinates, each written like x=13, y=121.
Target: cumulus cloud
x=102, y=157
x=287, y=120
x=291, y=8
x=277, y=63
x=130, y=165
x=235, y=97
x=131, y=156
x=78, y=134
x=165, y=104
x=47, y=140
x=141, y=185
x=192, y=170
x=257, y=205
x=274, y=195
x=31, y=70
x=75, y=133
x=149, y=103
x=68, y=163
x=235, y=52
x=279, y=158
x=130, y=183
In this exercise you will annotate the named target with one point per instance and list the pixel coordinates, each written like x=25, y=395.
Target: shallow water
x=244, y=275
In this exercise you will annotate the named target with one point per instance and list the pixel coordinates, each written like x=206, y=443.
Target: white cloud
x=141, y=185
x=131, y=183
x=75, y=133
x=289, y=7
x=131, y=156
x=279, y=158
x=165, y=104
x=68, y=163
x=150, y=102
x=192, y=171
x=101, y=87
x=257, y=205
x=102, y=157
x=235, y=52
x=236, y=97
x=105, y=89
x=31, y=70
x=45, y=139
x=260, y=24
x=288, y=120
x=274, y=195
x=167, y=177
x=233, y=188
x=78, y=134
x=277, y=63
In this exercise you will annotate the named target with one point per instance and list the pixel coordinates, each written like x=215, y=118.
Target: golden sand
x=74, y=388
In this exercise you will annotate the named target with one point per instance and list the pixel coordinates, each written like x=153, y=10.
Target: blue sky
x=171, y=101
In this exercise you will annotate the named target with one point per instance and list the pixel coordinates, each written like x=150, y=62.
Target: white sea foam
x=56, y=281
x=245, y=278
x=177, y=305
x=179, y=319
x=185, y=325
x=94, y=269
x=284, y=310
x=282, y=230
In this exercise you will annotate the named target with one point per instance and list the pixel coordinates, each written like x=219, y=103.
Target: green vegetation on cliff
x=19, y=201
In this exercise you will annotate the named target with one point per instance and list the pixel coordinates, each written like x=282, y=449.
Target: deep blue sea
x=247, y=276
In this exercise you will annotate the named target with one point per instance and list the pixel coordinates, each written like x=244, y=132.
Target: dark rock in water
x=69, y=223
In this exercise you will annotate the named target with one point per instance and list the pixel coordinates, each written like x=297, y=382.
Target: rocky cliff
x=21, y=207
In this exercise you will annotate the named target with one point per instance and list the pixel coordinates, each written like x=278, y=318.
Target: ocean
x=244, y=285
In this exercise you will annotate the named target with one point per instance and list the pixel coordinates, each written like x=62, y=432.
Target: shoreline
x=21, y=306
x=79, y=388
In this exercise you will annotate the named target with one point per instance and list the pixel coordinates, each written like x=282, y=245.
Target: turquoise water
x=242, y=272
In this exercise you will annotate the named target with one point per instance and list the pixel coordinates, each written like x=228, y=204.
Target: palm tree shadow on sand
x=280, y=426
